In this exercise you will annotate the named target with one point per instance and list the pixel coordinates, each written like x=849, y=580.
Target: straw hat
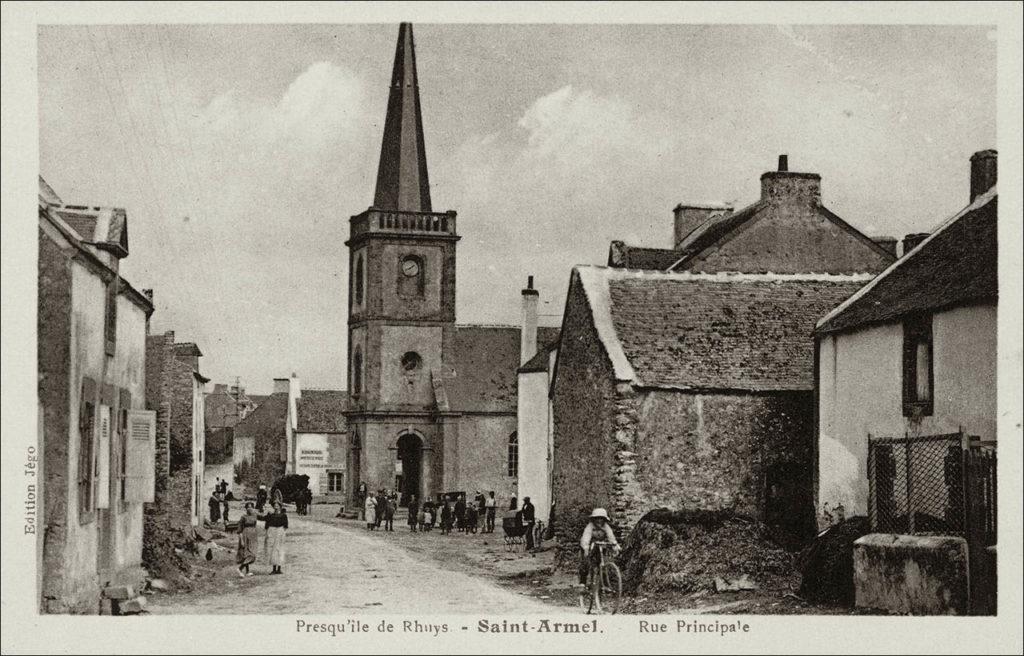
x=599, y=512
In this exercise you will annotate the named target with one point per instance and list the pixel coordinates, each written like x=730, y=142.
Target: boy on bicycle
x=597, y=530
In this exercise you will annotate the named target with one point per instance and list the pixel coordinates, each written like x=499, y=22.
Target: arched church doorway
x=410, y=455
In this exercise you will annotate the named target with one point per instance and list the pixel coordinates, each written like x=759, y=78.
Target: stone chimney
x=983, y=172
x=220, y=388
x=281, y=385
x=787, y=186
x=689, y=216
x=911, y=241
x=528, y=331
x=888, y=243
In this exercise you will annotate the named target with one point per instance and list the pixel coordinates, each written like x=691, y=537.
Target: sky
x=240, y=152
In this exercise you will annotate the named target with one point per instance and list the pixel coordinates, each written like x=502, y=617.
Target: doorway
x=410, y=454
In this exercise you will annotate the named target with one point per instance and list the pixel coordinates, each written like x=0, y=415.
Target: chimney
x=689, y=216
x=220, y=388
x=528, y=331
x=911, y=241
x=983, y=172
x=294, y=389
x=281, y=385
x=787, y=186
x=888, y=243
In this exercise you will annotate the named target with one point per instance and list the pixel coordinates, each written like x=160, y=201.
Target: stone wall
x=54, y=330
x=794, y=235
x=483, y=456
x=584, y=396
x=750, y=453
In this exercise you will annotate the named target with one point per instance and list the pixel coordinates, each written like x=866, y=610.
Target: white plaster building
x=914, y=352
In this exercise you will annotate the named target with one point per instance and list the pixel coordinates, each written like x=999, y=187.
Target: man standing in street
x=460, y=513
x=529, y=514
x=490, y=505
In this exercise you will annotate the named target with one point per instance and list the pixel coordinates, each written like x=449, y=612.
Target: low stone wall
x=911, y=574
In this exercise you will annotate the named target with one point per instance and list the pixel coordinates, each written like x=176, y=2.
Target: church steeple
x=402, y=182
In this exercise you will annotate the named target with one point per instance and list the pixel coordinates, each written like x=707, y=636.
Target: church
x=432, y=403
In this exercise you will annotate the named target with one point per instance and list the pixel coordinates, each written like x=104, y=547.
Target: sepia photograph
x=435, y=327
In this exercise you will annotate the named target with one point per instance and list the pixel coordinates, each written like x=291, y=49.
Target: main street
x=338, y=566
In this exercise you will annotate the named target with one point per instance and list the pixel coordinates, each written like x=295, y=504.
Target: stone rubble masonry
x=54, y=329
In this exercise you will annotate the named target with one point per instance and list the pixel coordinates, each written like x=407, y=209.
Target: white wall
x=126, y=370
x=533, y=430
x=313, y=456
x=861, y=393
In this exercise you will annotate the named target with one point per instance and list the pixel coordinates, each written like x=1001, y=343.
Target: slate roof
x=539, y=362
x=484, y=377
x=711, y=231
x=322, y=411
x=720, y=331
x=637, y=257
x=957, y=264
x=267, y=421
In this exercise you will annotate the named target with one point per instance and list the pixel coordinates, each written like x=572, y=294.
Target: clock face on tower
x=410, y=267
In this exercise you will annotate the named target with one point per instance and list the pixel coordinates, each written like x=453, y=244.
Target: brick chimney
x=689, y=216
x=888, y=243
x=787, y=186
x=528, y=330
x=983, y=172
x=911, y=241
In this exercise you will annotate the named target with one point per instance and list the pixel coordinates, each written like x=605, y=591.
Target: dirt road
x=331, y=568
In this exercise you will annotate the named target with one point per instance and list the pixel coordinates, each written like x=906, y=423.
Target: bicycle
x=603, y=591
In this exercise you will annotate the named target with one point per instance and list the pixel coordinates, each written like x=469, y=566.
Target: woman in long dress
x=246, y=540
x=370, y=508
x=276, y=524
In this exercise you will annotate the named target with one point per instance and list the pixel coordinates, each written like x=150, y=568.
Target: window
x=918, y=376
x=411, y=361
x=122, y=454
x=513, y=455
x=359, y=280
x=110, y=316
x=86, y=452
x=357, y=371
x=335, y=482
x=410, y=276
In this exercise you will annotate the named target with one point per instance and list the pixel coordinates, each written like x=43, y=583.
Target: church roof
x=402, y=182
x=692, y=331
x=957, y=264
x=484, y=377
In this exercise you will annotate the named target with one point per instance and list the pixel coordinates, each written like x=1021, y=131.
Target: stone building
x=432, y=403
x=261, y=439
x=96, y=438
x=322, y=449
x=684, y=376
x=788, y=230
x=913, y=353
x=175, y=390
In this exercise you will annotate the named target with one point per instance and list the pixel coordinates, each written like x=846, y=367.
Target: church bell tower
x=401, y=303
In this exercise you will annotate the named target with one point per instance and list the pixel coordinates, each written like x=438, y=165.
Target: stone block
x=118, y=592
x=132, y=606
x=911, y=574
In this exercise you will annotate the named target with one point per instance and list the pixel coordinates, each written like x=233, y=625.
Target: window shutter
x=141, y=446
x=103, y=460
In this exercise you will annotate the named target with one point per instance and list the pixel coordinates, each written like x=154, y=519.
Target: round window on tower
x=412, y=361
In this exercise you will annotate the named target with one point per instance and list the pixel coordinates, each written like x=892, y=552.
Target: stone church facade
x=432, y=403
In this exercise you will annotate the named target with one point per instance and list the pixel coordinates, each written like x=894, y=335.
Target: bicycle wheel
x=611, y=587
x=587, y=595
